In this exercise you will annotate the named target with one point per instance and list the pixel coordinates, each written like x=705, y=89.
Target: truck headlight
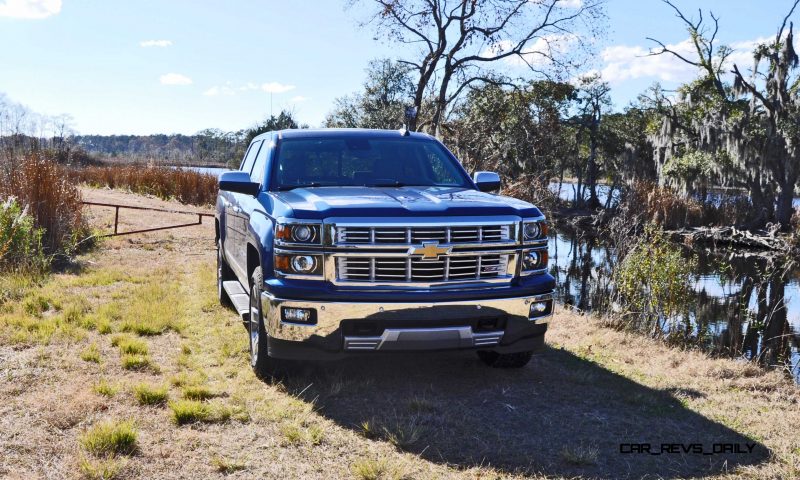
x=305, y=233
x=534, y=231
x=303, y=263
x=533, y=260
x=299, y=264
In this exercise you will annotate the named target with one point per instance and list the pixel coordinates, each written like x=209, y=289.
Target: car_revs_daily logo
x=686, y=448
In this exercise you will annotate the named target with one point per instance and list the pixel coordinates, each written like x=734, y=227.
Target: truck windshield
x=328, y=162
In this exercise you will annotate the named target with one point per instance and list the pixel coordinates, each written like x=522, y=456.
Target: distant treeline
x=208, y=147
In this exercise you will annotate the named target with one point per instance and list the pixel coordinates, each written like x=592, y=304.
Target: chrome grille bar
x=377, y=269
x=503, y=233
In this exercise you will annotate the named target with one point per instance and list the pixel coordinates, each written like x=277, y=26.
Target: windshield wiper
x=284, y=188
x=392, y=184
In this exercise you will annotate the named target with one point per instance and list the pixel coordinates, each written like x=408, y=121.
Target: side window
x=250, y=158
x=260, y=166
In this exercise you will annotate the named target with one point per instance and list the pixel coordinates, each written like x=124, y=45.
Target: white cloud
x=225, y=90
x=622, y=62
x=249, y=86
x=175, y=79
x=298, y=99
x=29, y=9
x=275, y=87
x=156, y=43
x=570, y=3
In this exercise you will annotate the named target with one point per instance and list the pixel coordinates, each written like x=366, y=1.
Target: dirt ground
x=577, y=410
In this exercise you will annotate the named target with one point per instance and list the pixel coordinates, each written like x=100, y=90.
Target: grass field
x=127, y=367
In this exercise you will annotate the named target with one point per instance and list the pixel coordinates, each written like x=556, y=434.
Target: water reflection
x=744, y=306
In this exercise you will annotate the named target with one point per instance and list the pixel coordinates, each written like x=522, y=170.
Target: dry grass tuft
x=227, y=466
x=197, y=392
x=375, y=469
x=100, y=468
x=151, y=394
x=137, y=362
x=105, y=389
x=190, y=411
x=111, y=438
x=91, y=354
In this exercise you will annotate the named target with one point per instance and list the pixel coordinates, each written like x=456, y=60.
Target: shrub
x=20, y=240
x=653, y=280
x=111, y=438
x=186, y=186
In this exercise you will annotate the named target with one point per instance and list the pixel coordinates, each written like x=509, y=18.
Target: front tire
x=505, y=360
x=263, y=366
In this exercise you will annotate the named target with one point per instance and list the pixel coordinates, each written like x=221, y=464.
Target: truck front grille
x=452, y=268
x=469, y=234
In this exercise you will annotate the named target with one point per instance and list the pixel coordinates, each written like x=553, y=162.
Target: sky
x=180, y=66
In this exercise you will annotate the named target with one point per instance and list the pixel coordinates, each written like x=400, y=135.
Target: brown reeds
x=185, y=186
x=45, y=189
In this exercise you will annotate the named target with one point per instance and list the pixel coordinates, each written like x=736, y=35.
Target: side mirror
x=238, y=182
x=486, y=181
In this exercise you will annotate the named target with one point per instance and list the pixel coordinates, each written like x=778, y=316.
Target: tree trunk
x=785, y=209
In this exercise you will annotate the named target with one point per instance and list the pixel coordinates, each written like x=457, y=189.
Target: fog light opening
x=540, y=309
x=306, y=316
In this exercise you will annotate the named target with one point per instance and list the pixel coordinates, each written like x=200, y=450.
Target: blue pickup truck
x=337, y=242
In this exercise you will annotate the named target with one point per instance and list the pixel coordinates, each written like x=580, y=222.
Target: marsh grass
x=185, y=186
x=111, y=437
x=151, y=394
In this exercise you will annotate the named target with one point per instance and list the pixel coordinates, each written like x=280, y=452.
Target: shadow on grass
x=561, y=415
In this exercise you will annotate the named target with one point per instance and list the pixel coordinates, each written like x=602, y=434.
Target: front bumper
x=502, y=324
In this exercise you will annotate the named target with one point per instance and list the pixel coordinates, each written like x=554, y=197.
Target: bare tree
x=454, y=42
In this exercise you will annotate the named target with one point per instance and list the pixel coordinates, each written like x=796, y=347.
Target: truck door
x=235, y=226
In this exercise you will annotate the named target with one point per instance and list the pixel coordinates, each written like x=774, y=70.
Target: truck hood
x=325, y=202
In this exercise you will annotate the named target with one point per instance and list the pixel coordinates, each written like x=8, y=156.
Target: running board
x=239, y=297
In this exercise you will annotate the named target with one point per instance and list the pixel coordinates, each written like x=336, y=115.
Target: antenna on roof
x=411, y=114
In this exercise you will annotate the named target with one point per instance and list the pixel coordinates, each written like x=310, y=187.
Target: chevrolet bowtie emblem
x=430, y=251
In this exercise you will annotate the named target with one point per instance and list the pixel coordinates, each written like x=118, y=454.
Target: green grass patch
x=150, y=394
x=154, y=308
x=132, y=346
x=111, y=438
x=190, y=411
x=136, y=362
x=197, y=392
